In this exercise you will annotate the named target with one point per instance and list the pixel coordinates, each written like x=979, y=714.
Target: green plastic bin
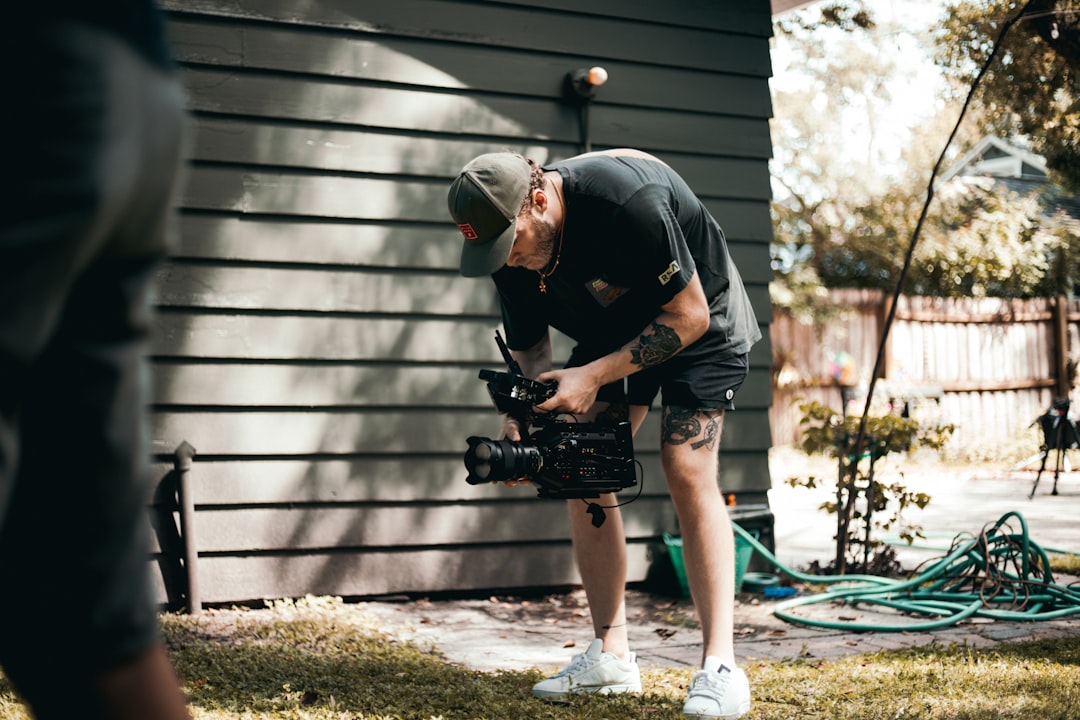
x=743, y=552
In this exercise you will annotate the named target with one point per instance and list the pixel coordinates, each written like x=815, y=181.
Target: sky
x=903, y=21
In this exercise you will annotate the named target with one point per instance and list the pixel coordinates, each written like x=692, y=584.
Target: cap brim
x=479, y=259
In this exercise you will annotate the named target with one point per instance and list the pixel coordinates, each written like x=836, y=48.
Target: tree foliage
x=835, y=166
x=1033, y=90
x=986, y=241
x=844, y=214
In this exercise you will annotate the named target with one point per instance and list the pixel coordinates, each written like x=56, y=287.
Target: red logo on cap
x=467, y=230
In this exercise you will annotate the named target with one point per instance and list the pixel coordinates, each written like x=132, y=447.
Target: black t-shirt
x=634, y=234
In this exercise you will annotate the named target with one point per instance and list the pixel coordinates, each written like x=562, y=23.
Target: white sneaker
x=718, y=692
x=592, y=671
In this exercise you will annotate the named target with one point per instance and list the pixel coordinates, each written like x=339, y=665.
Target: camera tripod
x=1059, y=434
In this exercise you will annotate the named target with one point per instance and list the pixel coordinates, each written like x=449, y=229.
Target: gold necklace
x=558, y=253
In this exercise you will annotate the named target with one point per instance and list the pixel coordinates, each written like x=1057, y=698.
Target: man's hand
x=576, y=392
x=511, y=429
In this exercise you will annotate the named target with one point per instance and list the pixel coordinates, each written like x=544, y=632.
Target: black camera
x=563, y=459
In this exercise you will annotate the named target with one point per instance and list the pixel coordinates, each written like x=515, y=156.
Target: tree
x=848, y=178
x=849, y=187
x=1033, y=87
x=986, y=241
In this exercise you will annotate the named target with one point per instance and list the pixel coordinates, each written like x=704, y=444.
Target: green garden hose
x=998, y=574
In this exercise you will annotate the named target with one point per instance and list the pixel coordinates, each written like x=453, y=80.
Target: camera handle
x=513, y=393
x=507, y=357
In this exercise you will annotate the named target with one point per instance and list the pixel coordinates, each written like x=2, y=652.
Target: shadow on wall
x=317, y=345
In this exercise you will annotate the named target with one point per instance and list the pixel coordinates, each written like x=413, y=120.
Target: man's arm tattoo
x=681, y=425
x=655, y=347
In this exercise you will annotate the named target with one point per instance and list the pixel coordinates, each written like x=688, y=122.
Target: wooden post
x=883, y=315
x=1059, y=313
x=184, y=459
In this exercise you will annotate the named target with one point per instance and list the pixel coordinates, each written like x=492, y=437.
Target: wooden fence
x=990, y=366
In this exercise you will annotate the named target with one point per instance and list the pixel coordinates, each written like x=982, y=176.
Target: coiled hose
x=998, y=574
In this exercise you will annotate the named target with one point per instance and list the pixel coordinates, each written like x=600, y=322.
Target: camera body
x=563, y=459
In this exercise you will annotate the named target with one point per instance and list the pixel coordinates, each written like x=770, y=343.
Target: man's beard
x=546, y=236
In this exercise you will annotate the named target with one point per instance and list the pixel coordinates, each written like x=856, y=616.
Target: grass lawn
x=320, y=659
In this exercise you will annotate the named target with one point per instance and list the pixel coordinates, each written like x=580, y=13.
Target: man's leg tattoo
x=682, y=425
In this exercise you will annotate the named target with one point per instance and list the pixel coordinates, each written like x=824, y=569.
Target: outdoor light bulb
x=580, y=85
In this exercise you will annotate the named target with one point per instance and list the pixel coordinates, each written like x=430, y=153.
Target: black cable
x=641, y=488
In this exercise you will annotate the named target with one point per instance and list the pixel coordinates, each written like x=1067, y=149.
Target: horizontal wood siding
x=316, y=344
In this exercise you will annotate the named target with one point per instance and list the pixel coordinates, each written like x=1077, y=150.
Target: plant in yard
x=864, y=504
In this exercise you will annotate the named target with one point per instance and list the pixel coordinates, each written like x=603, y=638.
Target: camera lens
x=490, y=460
x=481, y=462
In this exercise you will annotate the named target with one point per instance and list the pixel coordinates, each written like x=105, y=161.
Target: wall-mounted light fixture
x=582, y=83
x=580, y=89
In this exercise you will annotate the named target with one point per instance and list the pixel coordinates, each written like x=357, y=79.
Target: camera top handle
x=510, y=361
x=512, y=392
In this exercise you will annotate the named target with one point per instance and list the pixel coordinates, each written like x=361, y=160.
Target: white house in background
x=995, y=157
x=1018, y=169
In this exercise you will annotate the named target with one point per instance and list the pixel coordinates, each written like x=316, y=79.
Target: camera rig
x=563, y=459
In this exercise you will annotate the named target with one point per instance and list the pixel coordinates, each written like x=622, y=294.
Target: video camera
x=1058, y=429
x=563, y=459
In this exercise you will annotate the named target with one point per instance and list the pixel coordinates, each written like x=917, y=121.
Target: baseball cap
x=484, y=201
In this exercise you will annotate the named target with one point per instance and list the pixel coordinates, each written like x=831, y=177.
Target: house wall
x=316, y=344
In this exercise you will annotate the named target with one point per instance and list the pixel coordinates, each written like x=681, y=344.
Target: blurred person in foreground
x=94, y=129
x=615, y=250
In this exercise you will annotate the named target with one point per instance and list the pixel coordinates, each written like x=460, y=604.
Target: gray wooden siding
x=316, y=344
